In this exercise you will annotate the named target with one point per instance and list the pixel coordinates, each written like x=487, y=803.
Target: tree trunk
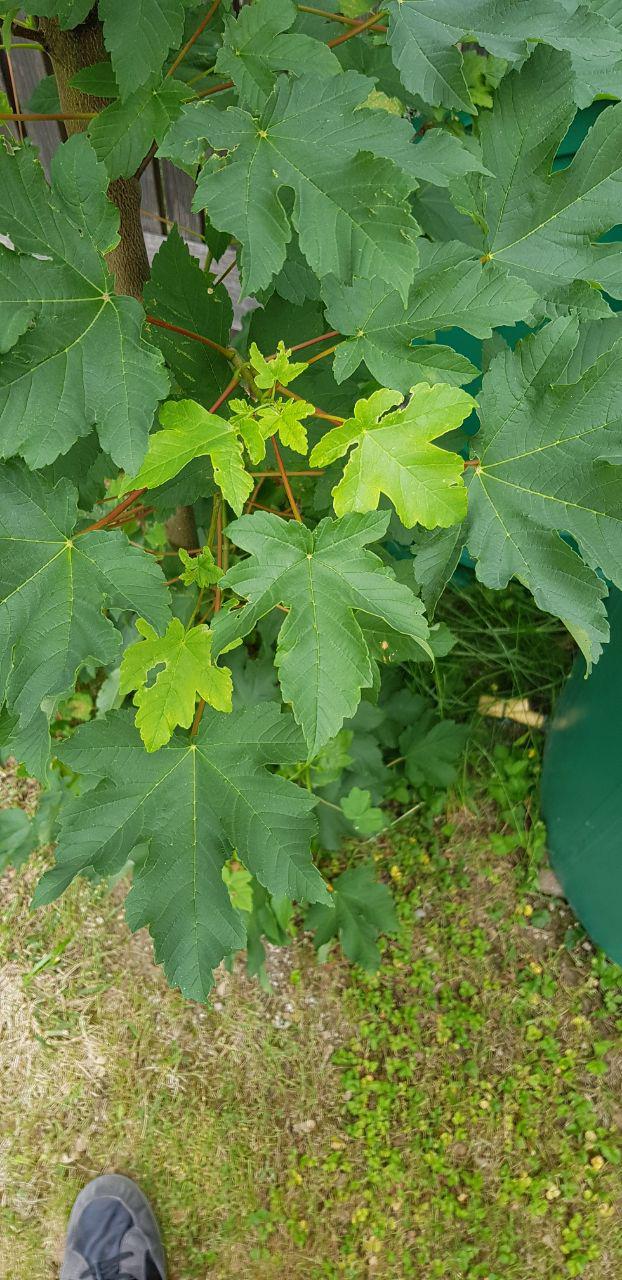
x=71, y=51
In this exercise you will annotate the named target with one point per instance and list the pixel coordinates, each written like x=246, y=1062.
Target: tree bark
x=71, y=51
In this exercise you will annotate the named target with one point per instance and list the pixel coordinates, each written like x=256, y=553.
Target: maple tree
x=384, y=183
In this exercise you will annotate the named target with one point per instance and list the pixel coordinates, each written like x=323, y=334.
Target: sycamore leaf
x=54, y=590
x=394, y=455
x=122, y=133
x=256, y=423
x=281, y=369
x=423, y=35
x=350, y=207
x=201, y=569
x=188, y=670
x=194, y=803
x=189, y=431
x=68, y=12
x=362, y=909
x=82, y=360
x=436, y=554
x=17, y=838
x=540, y=225
x=365, y=817
x=179, y=292
x=451, y=288
x=255, y=48
x=547, y=452
x=431, y=749
x=324, y=577
x=138, y=37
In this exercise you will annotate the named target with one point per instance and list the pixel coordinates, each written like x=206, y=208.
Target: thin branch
x=227, y=391
x=146, y=160
x=354, y=31
x=321, y=354
x=15, y=103
x=300, y=346
x=226, y=272
x=172, y=222
x=111, y=516
x=285, y=480
x=189, y=333
x=318, y=413
x=189, y=43
x=26, y=33
x=336, y=17
x=52, y=115
x=217, y=88
x=274, y=475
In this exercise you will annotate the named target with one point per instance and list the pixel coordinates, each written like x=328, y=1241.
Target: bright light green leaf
x=350, y=209
x=394, y=455
x=281, y=369
x=179, y=292
x=362, y=909
x=189, y=431
x=256, y=423
x=123, y=132
x=82, y=361
x=255, y=48
x=201, y=569
x=548, y=452
x=188, y=670
x=451, y=288
x=138, y=37
x=194, y=803
x=366, y=819
x=324, y=578
x=540, y=225
x=54, y=590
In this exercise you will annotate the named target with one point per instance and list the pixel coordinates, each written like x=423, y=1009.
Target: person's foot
x=112, y=1234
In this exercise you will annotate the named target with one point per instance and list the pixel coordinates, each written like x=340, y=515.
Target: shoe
x=112, y=1234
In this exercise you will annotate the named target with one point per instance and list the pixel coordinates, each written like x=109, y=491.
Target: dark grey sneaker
x=112, y=1234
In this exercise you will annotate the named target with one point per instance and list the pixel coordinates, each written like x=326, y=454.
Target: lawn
x=456, y=1114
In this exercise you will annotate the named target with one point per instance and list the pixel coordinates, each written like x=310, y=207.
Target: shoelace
x=107, y=1269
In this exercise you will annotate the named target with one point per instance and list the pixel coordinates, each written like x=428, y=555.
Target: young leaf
x=82, y=360
x=189, y=431
x=540, y=225
x=324, y=577
x=281, y=369
x=366, y=819
x=194, y=802
x=362, y=909
x=256, y=423
x=255, y=48
x=547, y=456
x=350, y=209
x=123, y=132
x=188, y=670
x=179, y=292
x=138, y=37
x=54, y=589
x=201, y=569
x=451, y=288
x=394, y=455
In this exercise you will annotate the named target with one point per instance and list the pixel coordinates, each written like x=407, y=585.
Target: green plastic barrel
x=582, y=790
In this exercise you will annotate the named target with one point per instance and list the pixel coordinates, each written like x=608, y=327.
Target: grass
x=455, y=1115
